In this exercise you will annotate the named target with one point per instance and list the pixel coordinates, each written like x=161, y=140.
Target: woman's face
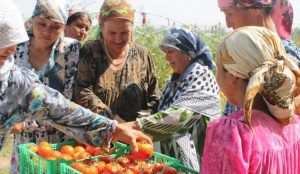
x=178, y=60
x=235, y=17
x=78, y=29
x=46, y=31
x=116, y=34
x=6, y=52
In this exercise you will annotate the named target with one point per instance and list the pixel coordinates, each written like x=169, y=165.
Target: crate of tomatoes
x=46, y=158
x=125, y=161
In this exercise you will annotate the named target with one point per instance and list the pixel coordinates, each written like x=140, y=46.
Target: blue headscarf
x=190, y=44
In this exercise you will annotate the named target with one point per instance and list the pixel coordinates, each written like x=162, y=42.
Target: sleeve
x=153, y=92
x=168, y=122
x=49, y=105
x=85, y=81
x=71, y=58
x=227, y=147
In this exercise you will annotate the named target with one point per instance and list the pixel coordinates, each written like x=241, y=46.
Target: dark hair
x=77, y=15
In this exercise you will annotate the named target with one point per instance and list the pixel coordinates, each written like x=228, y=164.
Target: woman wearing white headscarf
x=23, y=97
x=256, y=74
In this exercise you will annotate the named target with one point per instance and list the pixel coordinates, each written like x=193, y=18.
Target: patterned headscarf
x=116, y=9
x=190, y=44
x=282, y=12
x=12, y=32
x=52, y=9
x=256, y=54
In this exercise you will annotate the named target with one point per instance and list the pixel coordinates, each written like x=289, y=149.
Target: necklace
x=115, y=62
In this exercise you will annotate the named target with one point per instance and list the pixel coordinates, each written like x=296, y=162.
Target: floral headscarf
x=256, y=54
x=12, y=32
x=282, y=12
x=116, y=9
x=190, y=44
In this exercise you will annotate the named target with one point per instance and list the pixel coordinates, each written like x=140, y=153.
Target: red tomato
x=66, y=156
x=79, y=149
x=100, y=166
x=144, y=152
x=125, y=171
x=78, y=166
x=44, y=150
x=158, y=167
x=122, y=160
x=170, y=170
x=67, y=149
x=106, y=159
x=112, y=168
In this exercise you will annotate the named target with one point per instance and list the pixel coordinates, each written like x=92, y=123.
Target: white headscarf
x=12, y=32
x=256, y=54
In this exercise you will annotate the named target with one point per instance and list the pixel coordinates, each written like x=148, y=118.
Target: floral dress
x=58, y=74
x=25, y=98
x=117, y=92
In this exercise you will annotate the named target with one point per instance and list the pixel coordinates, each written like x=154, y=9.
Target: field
x=149, y=37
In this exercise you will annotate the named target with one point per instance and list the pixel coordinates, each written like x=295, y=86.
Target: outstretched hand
x=130, y=136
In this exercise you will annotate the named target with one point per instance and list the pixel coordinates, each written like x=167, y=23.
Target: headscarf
x=256, y=54
x=12, y=32
x=116, y=9
x=52, y=9
x=282, y=12
x=189, y=43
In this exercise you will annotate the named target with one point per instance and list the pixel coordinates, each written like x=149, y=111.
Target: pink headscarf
x=282, y=12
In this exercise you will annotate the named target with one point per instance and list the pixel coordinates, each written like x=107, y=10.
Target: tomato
x=44, y=150
x=67, y=149
x=100, y=166
x=106, y=159
x=125, y=171
x=158, y=167
x=66, y=156
x=144, y=152
x=97, y=151
x=44, y=143
x=90, y=170
x=79, y=149
x=112, y=168
x=90, y=149
x=122, y=160
x=33, y=148
x=78, y=166
x=170, y=170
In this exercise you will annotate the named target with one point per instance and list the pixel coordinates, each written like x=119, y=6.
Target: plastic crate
x=32, y=163
x=121, y=149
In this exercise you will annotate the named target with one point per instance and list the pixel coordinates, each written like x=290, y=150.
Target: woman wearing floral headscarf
x=23, y=97
x=276, y=15
x=256, y=74
x=53, y=58
x=190, y=99
x=116, y=77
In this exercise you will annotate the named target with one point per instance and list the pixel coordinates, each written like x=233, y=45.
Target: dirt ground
x=5, y=155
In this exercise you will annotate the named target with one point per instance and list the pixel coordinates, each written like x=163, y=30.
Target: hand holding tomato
x=130, y=136
x=144, y=152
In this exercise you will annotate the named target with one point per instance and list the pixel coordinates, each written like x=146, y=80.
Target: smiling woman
x=116, y=77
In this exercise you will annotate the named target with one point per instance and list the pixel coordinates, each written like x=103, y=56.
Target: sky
x=200, y=12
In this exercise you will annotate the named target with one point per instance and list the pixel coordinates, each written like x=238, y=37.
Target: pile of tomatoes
x=66, y=152
x=133, y=162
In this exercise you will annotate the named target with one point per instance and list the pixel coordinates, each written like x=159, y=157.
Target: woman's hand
x=130, y=136
x=17, y=128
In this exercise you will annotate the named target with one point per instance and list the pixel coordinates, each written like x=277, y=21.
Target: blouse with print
x=25, y=98
x=58, y=74
x=117, y=92
x=184, y=113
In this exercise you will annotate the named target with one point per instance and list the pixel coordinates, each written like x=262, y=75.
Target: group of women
x=113, y=78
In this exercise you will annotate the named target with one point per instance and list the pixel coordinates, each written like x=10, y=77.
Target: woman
x=22, y=96
x=78, y=24
x=190, y=99
x=264, y=137
x=54, y=59
x=115, y=76
x=276, y=15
